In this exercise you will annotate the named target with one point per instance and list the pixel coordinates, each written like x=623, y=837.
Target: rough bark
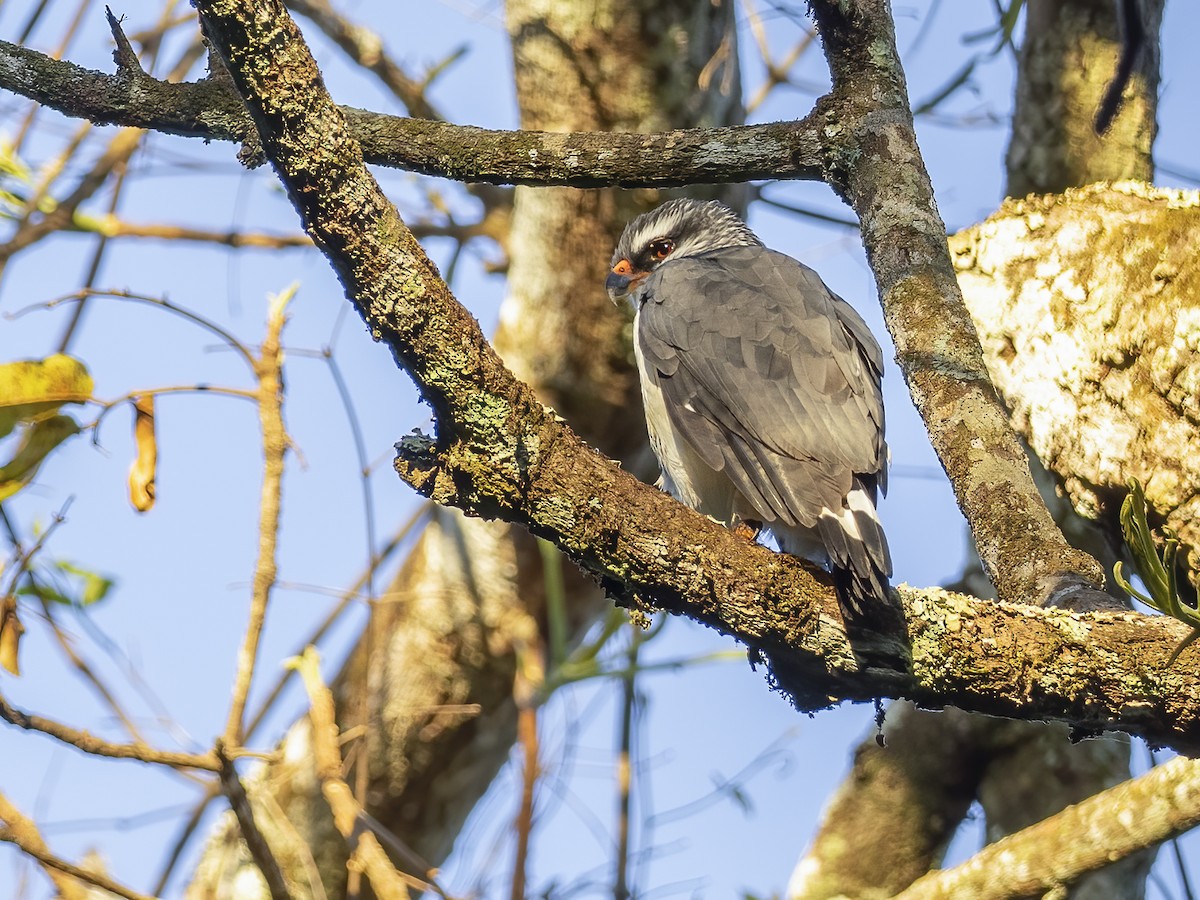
x=1087, y=307
x=876, y=164
x=439, y=661
x=1045, y=859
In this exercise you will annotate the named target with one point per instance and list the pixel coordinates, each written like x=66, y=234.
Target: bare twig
x=269, y=369
x=78, y=296
x=89, y=743
x=530, y=677
x=110, y=226
x=625, y=764
x=366, y=48
x=119, y=150
x=366, y=851
x=347, y=597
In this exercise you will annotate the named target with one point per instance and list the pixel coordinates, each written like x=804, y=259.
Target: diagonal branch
x=500, y=453
x=1057, y=851
x=1022, y=550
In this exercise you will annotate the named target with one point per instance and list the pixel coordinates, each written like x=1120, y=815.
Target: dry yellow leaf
x=142, y=473
x=11, y=630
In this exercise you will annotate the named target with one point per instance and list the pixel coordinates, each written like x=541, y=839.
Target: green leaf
x=37, y=441
x=1157, y=568
x=94, y=586
x=68, y=584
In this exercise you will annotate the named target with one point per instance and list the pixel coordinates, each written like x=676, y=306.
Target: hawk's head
x=674, y=230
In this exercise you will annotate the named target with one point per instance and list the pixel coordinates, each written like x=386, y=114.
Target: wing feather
x=769, y=376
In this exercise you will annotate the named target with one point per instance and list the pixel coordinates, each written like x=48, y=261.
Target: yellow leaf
x=11, y=630
x=33, y=388
x=142, y=487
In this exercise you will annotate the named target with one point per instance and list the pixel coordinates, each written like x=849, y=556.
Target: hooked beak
x=621, y=280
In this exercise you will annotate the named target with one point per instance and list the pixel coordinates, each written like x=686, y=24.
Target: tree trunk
x=1068, y=59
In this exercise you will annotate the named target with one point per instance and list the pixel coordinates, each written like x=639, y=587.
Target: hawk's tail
x=859, y=558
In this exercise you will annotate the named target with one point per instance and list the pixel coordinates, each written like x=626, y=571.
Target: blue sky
x=168, y=635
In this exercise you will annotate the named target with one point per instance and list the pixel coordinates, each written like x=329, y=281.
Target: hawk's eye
x=661, y=249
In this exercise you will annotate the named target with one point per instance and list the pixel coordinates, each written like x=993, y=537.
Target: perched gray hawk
x=762, y=391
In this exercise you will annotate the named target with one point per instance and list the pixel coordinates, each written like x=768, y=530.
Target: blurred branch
x=777, y=72
x=365, y=47
x=527, y=684
x=1091, y=834
x=621, y=889
x=269, y=370
x=20, y=830
x=89, y=743
x=30, y=231
x=260, y=850
x=386, y=882
x=112, y=227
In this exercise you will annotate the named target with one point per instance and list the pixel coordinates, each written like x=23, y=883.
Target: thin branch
x=89, y=743
x=256, y=843
x=17, y=828
x=269, y=369
x=625, y=764
x=366, y=48
x=386, y=882
x=79, y=296
x=212, y=111
x=527, y=684
x=109, y=226
x=345, y=598
x=120, y=148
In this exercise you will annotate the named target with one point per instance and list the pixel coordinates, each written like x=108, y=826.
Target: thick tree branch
x=880, y=172
x=211, y=110
x=1089, y=312
x=500, y=453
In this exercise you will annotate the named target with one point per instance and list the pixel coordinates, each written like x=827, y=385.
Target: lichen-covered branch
x=210, y=110
x=877, y=166
x=1057, y=851
x=500, y=453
